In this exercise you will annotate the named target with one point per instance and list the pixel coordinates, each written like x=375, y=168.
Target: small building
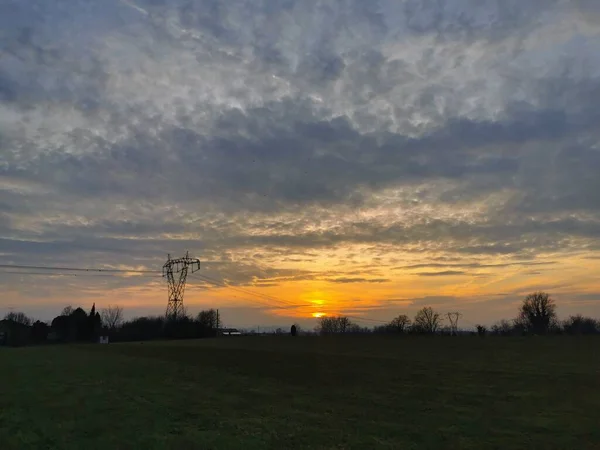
x=14, y=334
x=229, y=332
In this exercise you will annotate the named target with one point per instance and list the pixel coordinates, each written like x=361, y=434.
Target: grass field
x=307, y=392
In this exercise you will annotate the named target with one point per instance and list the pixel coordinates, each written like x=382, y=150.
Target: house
x=14, y=334
x=230, y=332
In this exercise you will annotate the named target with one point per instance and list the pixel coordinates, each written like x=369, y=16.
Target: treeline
x=537, y=315
x=205, y=324
x=77, y=325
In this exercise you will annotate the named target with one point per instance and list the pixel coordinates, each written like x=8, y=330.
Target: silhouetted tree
x=94, y=324
x=207, y=323
x=427, y=321
x=503, y=328
x=39, y=331
x=334, y=325
x=355, y=328
x=79, y=324
x=481, y=330
x=18, y=317
x=293, y=330
x=181, y=327
x=401, y=323
x=208, y=319
x=112, y=317
x=581, y=325
x=140, y=329
x=537, y=313
x=61, y=325
x=74, y=327
x=67, y=311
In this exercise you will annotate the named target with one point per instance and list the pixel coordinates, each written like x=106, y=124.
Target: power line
x=246, y=291
x=96, y=272
x=74, y=269
x=367, y=319
x=269, y=297
x=92, y=275
x=262, y=297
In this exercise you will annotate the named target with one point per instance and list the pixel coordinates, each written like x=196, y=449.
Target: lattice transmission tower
x=176, y=271
x=453, y=318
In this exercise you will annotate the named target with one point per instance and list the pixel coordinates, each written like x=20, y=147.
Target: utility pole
x=176, y=286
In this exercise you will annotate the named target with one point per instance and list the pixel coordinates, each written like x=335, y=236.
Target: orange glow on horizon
x=407, y=284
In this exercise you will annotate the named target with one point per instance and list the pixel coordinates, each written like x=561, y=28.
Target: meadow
x=304, y=392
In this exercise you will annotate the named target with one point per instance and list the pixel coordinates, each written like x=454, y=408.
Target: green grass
x=285, y=393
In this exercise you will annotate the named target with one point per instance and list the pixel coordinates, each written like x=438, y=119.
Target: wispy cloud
x=358, y=280
x=445, y=273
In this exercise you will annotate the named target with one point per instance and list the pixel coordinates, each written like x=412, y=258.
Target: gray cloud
x=445, y=273
x=237, y=129
x=358, y=280
x=475, y=265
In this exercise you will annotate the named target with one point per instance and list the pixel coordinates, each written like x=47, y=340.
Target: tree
x=344, y=324
x=400, y=323
x=581, y=325
x=18, y=317
x=141, y=329
x=94, y=324
x=112, y=317
x=208, y=319
x=481, y=330
x=503, y=328
x=67, y=311
x=427, y=321
x=294, y=330
x=537, y=313
x=334, y=325
x=61, y=326
x=79, y=325
x=39, y=331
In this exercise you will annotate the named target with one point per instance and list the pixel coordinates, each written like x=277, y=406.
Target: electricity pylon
x=177, y=286
x=453, y=317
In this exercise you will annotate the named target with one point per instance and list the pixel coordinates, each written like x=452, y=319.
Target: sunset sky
x=357, y=157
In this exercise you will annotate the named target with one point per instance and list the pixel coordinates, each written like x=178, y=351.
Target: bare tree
x=18, y=317
x=67, y=311
x=581, y=325
x=427, y=321
x=208, y=319
x=344, y=324
x=503, y=328
x=400, y=323
x=334, y=325
x=112, y=316
x=537, y=313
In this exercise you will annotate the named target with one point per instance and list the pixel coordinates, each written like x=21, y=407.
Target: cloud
x=359, y=280
x=445, y=273
x=296, y=131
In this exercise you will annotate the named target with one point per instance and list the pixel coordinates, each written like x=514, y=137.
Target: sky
x=319, y=156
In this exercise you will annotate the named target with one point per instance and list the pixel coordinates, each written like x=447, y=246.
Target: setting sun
x=318, y=315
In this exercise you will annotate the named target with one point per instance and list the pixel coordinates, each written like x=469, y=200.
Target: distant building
x=14, y=334
x=229, y=332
